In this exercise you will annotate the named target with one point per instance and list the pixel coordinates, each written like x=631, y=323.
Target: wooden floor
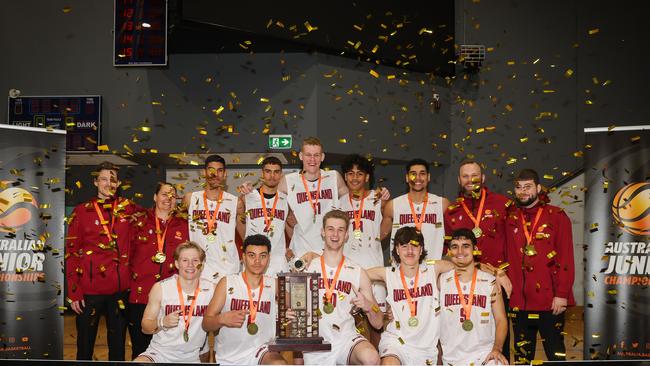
x=573, y=339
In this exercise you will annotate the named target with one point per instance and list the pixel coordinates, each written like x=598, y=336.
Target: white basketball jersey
x=460, y=346
x=221, y=253
x=340, y=323
x=255, y=224
x=366, y=250
x=425, y=334
x=433, y=229
x=234, y=346
x=306, y=234
x=170, y=341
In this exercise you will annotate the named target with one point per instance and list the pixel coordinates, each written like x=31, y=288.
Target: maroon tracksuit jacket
x=549, y=273
x=93, y=266
x=492, y=243
x=144, y=245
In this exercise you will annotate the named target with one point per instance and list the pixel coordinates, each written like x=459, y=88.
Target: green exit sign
x=280, y=141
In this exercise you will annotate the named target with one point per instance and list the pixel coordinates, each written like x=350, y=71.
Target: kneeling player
x=243, y=310
x=175, y=310
x=474, y=322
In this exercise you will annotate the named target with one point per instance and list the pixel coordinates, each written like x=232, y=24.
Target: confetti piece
x=548, y=176
x=635, y=138
x=374, y=73
x=309, y=27
x=66, y=9
x=552, y=254
x=533, y=316
x=102, y=148
x=343, y=141
x=593, y=31
x=568, y=73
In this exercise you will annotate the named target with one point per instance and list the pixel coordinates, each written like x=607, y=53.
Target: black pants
x=139, y=340
x=88, y=321
x=550, y=327
x=506, y=342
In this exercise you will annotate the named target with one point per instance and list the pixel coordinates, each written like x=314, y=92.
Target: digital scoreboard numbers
x=80, y=116
x=140, y=33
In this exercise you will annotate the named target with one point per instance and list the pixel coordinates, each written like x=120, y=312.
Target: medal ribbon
x=187, y=316
x=529, y=236
x=251, y=305
x=418, y=219
x=407, y=292
x=476, y=220
x=267, y=219
x=160, y=237
x=208, y=217
x=357, y=215
x=313, y=203
x=465, y=304
x=107, y=230
x=330, y=289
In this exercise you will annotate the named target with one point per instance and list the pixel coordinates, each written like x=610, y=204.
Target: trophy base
x=299, y=344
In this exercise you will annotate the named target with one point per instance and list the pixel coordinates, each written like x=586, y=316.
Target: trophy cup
x=298, y=291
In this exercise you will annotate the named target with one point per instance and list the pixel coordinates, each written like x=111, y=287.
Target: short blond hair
x=189, y=245
x=314, y=141
x=337, y=214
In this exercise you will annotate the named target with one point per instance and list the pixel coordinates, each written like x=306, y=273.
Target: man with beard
x=540, y=251
x=212, y=221
x=97, y=264
x=264, y=211
x=417, y=208
x=484, y=212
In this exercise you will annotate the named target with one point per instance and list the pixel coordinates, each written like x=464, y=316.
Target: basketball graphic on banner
x=17, y=207
x=631, y=208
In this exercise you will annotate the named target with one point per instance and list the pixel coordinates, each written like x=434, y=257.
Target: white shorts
x=475, y=358
x=159, y=356
x=407, y=355
x=248, y=358
x=340, y=353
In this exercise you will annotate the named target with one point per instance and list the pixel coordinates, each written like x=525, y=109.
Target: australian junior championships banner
x=617, y=229
x=32, y=184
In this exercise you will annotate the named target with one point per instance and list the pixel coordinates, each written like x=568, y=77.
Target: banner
x=617, y=233
x=32, y=188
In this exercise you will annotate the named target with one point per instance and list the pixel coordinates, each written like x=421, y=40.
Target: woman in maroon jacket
x=158, y=234
x=540, y=253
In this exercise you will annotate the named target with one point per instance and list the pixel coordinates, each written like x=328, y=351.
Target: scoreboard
x=140, y=33
x=80, y=116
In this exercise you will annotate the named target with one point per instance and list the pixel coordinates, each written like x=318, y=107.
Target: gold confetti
x=374, y=73
x=309, y=27
x=102, y=148
x=120, y=304
x=593, y=31
x=533, y=316
x=552, y=254
x=343, y=141
x=66, y=9
x=568, y=73
x=548, y=176
x=635, y=138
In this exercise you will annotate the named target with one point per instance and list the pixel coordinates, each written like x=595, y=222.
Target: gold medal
x=211, y=237
x=530, y=250
x=186, y=337
x=159, y=258
x=413, y=321
x=328, y=308
x=357, y=234
x=252, y=328
x=468, y=325
x=477, y=232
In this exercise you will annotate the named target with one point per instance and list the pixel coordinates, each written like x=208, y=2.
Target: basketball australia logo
x=17, y=207
x=631, y=208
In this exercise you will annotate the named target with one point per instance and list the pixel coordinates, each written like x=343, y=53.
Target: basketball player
x=473, y=317
x=243, y=310
x=175, y=310
x=343, y=286
x=417, y=208
x=212, y=220
x=311, y=193
x=264, y=211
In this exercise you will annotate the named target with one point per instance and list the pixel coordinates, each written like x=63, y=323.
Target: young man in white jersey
x=363, y=207
x=311, y=193
x=264, y=211
x=417, y=208
x=211, y=219
x=243, y=310
x=343, y=286
x=175, y=311
x=473, y=321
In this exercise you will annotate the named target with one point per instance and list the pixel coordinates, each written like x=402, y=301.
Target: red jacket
x=549, y=273
x=144, y=245
x=93, y=267
x=492, y=241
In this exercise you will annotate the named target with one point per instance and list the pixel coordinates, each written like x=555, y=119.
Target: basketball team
x=460, y=271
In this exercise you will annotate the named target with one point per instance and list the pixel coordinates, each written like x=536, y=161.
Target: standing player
x=243, y=310
x=97, y=264
x=417, y=208
x=264, y=211
x=212, y=220
x=343, y=285
x=474, y=324
x=175, y=310
x=539, y=241
x=156, y=237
